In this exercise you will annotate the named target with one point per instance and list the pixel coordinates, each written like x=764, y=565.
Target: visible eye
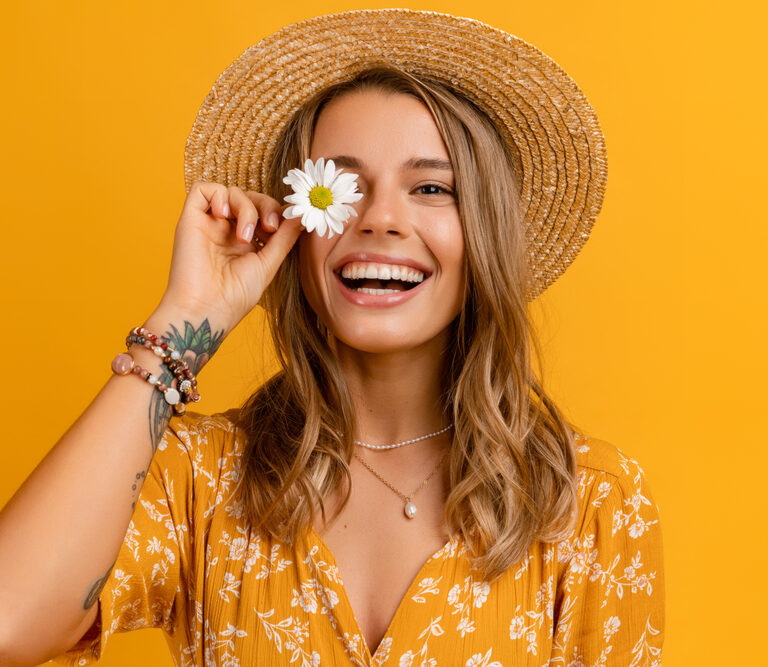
x=433, y=189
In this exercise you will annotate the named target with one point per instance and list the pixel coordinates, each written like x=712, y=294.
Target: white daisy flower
x=321, y=196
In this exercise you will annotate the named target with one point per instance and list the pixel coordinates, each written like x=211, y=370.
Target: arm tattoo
x=197, y=346
x=98, y=585
x=136, y=486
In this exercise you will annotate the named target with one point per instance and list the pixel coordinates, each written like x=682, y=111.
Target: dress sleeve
x=148, y=580
x=609, y=608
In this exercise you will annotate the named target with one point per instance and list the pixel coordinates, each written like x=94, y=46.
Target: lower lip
x=378, y=300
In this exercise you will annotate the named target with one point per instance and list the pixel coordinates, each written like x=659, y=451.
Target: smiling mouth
x=374, y=278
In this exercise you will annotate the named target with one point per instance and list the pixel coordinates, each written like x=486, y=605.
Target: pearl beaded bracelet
x=186, y=390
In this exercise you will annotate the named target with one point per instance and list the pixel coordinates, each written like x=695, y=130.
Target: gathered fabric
x=227, y=596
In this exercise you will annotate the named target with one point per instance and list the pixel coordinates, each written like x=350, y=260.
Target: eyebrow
x=350, y=162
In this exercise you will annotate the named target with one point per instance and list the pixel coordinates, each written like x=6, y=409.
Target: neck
x=396, y=395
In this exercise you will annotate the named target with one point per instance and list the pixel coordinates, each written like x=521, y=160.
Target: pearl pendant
x=410, y=510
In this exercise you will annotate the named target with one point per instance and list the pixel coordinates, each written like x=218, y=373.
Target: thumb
x=278, y=246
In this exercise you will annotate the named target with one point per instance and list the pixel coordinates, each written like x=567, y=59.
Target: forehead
x=377, y=125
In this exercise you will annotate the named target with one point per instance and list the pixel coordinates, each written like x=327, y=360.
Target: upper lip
x=381, y=259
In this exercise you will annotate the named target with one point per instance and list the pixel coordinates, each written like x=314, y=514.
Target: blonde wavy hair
x=512, y=463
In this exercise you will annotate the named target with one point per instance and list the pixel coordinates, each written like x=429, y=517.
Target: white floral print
x=463, y=598
x=227, y=595
x=480, y=660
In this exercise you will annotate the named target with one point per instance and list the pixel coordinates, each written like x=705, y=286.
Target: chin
x=385, y=341
x=376, y=346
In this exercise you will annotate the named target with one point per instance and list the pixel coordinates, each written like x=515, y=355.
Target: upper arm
x=80, y=631
x=31, y=655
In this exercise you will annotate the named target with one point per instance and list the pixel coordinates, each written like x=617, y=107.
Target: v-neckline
x=331, y=558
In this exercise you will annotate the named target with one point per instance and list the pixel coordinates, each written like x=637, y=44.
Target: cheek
x=447, y=244
x=450, y=255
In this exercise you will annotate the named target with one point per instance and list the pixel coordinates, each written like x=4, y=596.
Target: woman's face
x=407, y=227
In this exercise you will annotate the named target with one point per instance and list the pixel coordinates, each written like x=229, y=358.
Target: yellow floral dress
x=226, y=596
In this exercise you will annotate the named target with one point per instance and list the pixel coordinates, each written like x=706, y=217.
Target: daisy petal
x=340, y=192
x=302, y=182
x=329, y=173
x=335, y=225
x=337, y=212
x=308, y=220
x=310, y=169
x=294, y=212
x=317, y=220
x=320, y=171
x=344, y=187
x=346, y=179
x=298, y=198
x=347, y=198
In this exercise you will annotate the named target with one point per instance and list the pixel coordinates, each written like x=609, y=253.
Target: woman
x=403, y=492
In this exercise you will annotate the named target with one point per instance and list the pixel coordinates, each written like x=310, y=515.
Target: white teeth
x=370, y=290
x=371, y=271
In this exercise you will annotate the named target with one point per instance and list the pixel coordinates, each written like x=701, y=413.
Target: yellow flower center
x=320, y=197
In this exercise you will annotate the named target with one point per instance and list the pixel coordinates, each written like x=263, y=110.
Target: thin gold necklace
x=409, y=508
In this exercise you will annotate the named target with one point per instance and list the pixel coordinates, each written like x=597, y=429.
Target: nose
x=382, y=212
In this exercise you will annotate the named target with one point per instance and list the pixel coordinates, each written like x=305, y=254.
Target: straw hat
x=539, y=110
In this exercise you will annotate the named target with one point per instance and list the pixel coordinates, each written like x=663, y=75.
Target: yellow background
x=654, y=338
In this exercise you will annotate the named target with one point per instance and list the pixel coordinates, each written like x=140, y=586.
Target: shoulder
x=609, y=479
x=595, y=455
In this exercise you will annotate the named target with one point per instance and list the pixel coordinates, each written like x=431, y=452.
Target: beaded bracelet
x=123, y=364
x=186, y=390
x=187, y=382
x=175, y=362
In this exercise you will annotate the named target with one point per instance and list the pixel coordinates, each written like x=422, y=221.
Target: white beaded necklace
x=404, y=442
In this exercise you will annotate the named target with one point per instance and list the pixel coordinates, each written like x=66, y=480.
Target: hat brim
x=540, y=111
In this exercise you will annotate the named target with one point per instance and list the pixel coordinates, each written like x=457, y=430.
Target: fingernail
x=274, y=219
x=248, y=232
x=226, y=210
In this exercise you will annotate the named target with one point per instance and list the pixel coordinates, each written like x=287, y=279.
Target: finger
x=263, y=234
x=279, y=245
x=270, y=210
x=205, y=195
x=245, y=213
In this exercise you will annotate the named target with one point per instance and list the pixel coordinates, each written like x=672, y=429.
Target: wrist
x=196, y=337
